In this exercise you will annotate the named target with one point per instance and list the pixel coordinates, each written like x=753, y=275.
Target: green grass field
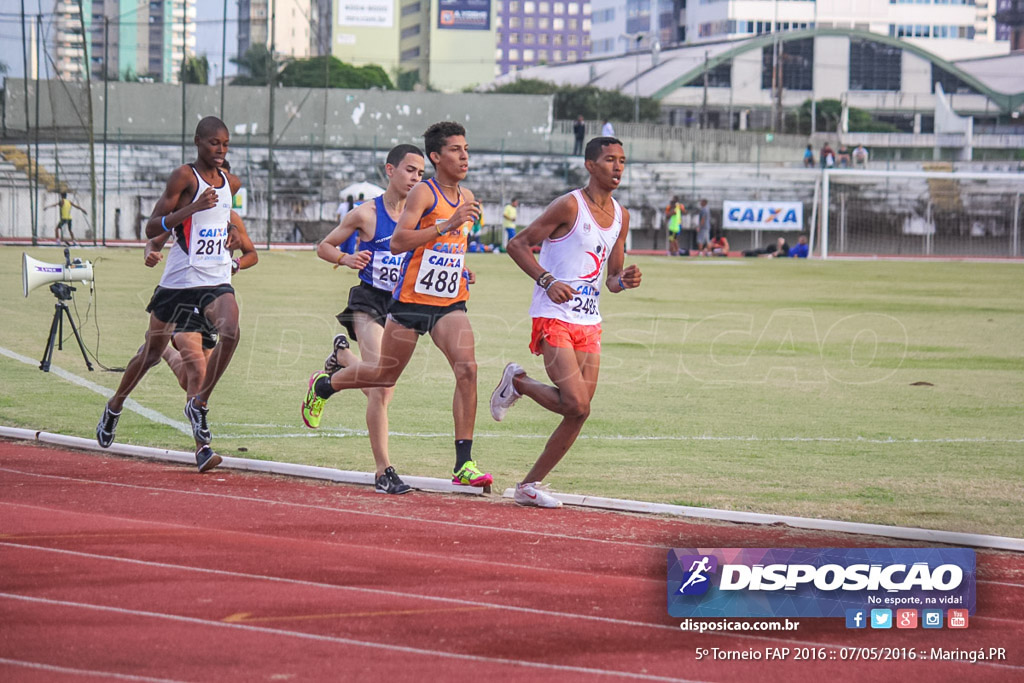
x=761, y=385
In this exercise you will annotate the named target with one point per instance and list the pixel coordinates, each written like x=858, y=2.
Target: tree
x=195, y=70
x=309, y=73
x=593, y=103
x=829, y=113
x=255, y=65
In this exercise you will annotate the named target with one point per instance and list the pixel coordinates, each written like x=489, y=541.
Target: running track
x=128, y=570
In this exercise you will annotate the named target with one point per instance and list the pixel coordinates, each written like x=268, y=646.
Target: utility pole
x=271, y=78
x=223, y=57
x=184, y=57
x=106, y=99
x=92, y=133
x=779, y=111
x=775, y=63
x=28, y=145
x=704, y=104
x=38, y=63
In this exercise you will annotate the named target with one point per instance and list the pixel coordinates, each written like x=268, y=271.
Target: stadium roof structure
x=1000, y=79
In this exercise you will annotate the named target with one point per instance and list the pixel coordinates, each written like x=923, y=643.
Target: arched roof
x=1006, y=101
x=647, y=77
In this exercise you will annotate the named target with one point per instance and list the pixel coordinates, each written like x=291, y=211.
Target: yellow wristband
x=340, y=258
x=438, y=228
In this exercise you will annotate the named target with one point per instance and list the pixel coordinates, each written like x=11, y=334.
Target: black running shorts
x=366, y=299
x=421, y=317
x=178, y=305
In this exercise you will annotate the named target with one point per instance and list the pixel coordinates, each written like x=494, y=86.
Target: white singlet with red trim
x=199, y=256
x=577, y=259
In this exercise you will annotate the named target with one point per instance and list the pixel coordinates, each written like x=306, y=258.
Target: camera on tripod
x=35, y=273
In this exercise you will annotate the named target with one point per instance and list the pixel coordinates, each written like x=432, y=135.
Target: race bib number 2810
x=439, y=274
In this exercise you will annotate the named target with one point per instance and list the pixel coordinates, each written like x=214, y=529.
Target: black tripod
x=63, y=293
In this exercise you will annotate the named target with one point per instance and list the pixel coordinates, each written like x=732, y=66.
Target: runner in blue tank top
x=369, y=301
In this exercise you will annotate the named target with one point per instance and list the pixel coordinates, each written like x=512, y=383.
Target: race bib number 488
x=439, y=274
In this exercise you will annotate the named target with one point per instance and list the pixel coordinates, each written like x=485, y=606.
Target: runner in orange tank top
x=430, y=296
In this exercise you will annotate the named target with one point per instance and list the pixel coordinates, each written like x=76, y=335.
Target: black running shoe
x=331, y=364
x=197, y=416
x=206, y=459
x=390, y=482
x=105, y=429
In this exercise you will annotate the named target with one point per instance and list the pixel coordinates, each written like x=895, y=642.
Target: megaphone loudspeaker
x=35, y=273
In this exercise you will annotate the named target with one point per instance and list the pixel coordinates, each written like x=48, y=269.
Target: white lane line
x=337, y=640
x=333, y=544
x=326, y=508
x=471, y=603
x=109, y=675
x=703, y=514
x=130, y=404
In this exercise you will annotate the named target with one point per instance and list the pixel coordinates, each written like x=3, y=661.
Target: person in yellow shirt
x=508, y=219
x=65, y=205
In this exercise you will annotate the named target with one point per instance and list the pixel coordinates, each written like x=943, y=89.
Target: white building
x=954, y=29
x=141, y=39
x=296, y=23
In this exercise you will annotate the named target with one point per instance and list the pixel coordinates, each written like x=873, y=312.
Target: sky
x=209, y=14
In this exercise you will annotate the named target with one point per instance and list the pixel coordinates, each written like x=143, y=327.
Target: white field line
x=130, y=404
x=155, y=416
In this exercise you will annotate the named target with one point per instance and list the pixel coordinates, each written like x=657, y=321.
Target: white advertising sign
x=377, y=13
x=743, y=215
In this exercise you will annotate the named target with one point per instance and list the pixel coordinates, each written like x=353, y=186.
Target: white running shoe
x=535, y=494
x=505, y=394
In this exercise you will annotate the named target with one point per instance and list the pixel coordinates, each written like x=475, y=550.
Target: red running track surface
x=136, y=570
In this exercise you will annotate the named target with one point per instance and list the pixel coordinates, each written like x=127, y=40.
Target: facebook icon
x=856, y=618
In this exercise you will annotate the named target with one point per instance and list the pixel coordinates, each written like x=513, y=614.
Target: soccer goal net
x=921, y=213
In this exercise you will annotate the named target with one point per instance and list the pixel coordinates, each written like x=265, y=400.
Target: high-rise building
x=144, y=40
x=541, y=32
x=444, y=44
x=294, y=26
x=1009, y=22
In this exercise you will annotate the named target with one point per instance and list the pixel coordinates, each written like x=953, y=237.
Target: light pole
x=636, y=38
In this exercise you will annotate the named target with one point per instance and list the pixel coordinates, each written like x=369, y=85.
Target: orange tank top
x=435, y=273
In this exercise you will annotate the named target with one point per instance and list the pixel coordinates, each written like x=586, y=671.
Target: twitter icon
x=881, y=618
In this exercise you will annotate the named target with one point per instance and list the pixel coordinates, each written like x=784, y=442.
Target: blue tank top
x=383, y=269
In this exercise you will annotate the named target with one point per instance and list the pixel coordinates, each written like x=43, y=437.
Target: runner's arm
x=249, y=257
x=152, y=254
x=556, y=220
x=354, y=221
x=166, y=214
x=620, y=278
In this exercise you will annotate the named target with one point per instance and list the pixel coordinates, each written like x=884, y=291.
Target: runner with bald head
x=195, y=207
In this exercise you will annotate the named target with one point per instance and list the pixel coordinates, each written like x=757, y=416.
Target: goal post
x=921, y=213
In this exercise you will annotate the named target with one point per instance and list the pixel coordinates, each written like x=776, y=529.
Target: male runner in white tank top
x=579, y=233
x=195, y=206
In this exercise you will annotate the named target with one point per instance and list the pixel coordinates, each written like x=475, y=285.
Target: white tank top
x=577, y=259
x=199, y=256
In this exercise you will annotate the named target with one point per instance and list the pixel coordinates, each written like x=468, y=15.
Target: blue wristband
x=622, y=286
x=163, y=223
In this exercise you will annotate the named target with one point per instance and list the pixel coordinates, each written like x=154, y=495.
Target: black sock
x=463, y=452
x=323, y=388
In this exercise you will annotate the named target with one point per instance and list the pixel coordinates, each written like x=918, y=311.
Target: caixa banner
x=816, y=582
x=762, y=215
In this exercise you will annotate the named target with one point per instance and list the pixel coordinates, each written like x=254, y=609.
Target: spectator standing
x=673, y=220
x=579, y=131
x=508, y=219
x=607, y=130
x=703, y=226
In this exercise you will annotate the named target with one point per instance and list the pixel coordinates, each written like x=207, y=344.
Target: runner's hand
x=560, y=292
x=153, y=258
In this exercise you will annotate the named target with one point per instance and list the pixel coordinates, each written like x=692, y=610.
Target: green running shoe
x=313, y=406
x=470, y=475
